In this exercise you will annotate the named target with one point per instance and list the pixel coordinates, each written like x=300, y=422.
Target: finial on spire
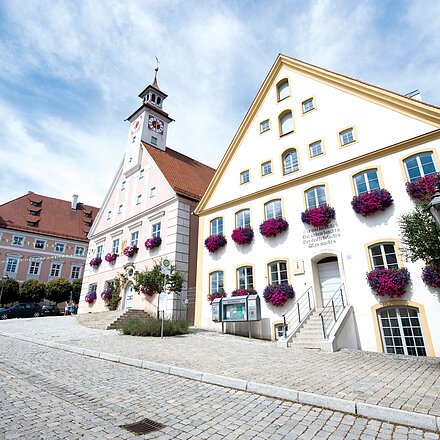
x=155, y=84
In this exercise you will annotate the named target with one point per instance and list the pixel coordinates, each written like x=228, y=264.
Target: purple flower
x=431, y=275
x=368, y=203
x=129, y=251
x=215, y=242
x=278, y=294
x=213, y=296
x=146, y=290
x=106, y=294
x=243, y=235
x=111, y=258
x=90, y=297
x=243, y=292
x=273, y=227
x=391, y=282
x=318, y=217
x=423, y=189
x=95, y=262
x=153, y=242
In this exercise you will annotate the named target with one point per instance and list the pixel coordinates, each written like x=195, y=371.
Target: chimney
x=74, y=201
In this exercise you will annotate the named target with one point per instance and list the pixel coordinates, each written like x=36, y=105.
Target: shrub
x=368, y=203
x=214, y=242
x=153, y=242
x=273, y=227
x=278, y=294
x=318, y=217
x=151, y=326
x=431, y=275
x=243, y=235
x=243, y=292
x=111, y=258
x=130, y=251
x=423, y=189
x=95, y=262
x=391, y=282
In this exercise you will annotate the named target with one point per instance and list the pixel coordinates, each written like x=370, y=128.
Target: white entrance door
x=128, y=297
x=329, y=280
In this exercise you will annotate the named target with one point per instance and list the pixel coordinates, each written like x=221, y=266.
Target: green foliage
x=58, y=290
x=153, y=279
x=113, y=301
x=420, y=235
x=9, y=289
x=76, y=289
x=32, y=291
x=151, y=327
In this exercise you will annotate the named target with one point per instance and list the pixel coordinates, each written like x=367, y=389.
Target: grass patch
x=151, y=327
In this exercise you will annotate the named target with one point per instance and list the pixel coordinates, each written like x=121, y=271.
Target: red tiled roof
x=55, y=217
x=187, y=176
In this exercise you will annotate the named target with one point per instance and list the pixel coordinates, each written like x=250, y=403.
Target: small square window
x=59, y=247
x=266, y=168
x=138, y=199
x=346, y=136
x=315, y=149
x=79, y=251
x=154, y=140
x=123, y=185
x=141, y=173
x=152, y=191
x=308, y=105
x=264, y=126
x=120, y=208
x=244, y=177
x=17, y=240
x=39, y=244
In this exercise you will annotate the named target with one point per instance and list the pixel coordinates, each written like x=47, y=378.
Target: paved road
x=51, y=394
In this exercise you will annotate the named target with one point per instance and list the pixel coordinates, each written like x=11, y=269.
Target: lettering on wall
x=317, y=237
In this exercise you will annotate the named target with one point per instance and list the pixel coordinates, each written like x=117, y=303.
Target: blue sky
x=71, y=72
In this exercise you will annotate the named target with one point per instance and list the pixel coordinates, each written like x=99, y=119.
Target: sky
x=71, y=72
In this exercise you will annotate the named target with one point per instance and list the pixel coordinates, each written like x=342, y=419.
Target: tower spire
x=155, y=84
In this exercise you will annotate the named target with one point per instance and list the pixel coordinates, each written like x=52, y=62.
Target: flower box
x=153, y=242
x=431, y=275
x=213, y=296
x=391, y=282
x=95, y=262
x=273, y=227
x=318, y=217
x=130, y=251
x=368, y=203
x=243, y=292
x=423, y=189
x=214, y=242
x=243, y=235
x=146, y=290
x=278, y=294
x=111, y=258
x=90, y=297
x=106, y=294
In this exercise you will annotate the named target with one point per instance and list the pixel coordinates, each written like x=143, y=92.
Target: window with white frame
x=217, y=226
x=346, y=136
x=279, y=330
x=55, y=270
x=244, y=177
x=366, y=181
x=59, y=247
x=315, y=148
x=283, y=90
x=290, y=162
x=75, y=272
x=99, y=251
x=123, y=185
x=34, y=267
x=115, y=246
x=308, y=105
x=40, y=244
x=243, y=218
x=264, y=126
x=93, y=287
x=134, y=239
x=278, y=272
x=12, y=265
x=120, y=208
x=315, y=197
x=138, y=199
x=286, y=123
x=383, y=255
x=109, y=215
x=17, y=240
x=273, y=209
x=152, y=191
x=266, y=168
x=155, y=229
x=79, y=251
x=245, y=278
x=419, y=165
x=216, y=282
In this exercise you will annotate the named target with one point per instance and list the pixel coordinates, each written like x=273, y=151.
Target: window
x=120, y=208
x=315, y=197
x=40, y=244
x=286, y=123
x=266, y=168
x=59, y=247
x=134, y=240
x=315, y=148
x=17, y=240
x=75, y=273
x=11, y=265
x=35, y=203
x=244, y=177
x=346, y=136
x=79, y=251
x=217, y=226
x=366, y=181
x=243, y=218
x=273, y=209
x=308, y=105
x=216, y=282
x=109, y=215
x=283, y=90
x=88, y=214
x=245, y=278
x=55, y=270
x=264, y=126
x=115, y=246
x=141, y=173
x=93, y=287
x=401, y=331
x=152, y=191
x=138, y=199
x=99, y=251
x=33, y=212
x=123, y=185
x=279, y=331
x=290, y=162
x=34, y=267
x=32, y=223
x=155, y=230
x=419, y=165
x=154, y=140
x=384, y=256
x=278, y=272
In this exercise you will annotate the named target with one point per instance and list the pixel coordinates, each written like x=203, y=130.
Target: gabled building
x=312, y=142
x=153, y=196
x=44, y=238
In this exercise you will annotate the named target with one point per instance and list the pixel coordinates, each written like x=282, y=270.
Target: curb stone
x=392, y=415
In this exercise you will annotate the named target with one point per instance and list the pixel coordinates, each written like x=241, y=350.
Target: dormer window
x=33, y=212
x=35, y=203
x=88, y=214
x=87, y=223
x=32, y=223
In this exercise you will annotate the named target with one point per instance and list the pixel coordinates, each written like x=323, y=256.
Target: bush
x=151, y=327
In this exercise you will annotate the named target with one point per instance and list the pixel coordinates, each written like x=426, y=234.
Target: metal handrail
x=298, y=312
x=333, y=310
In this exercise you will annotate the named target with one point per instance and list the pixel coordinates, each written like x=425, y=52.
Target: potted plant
x=423, y=189
x=214, y=242
x=243, y=292
x=111, y=257
x=278, y=294
x=318, y=217
x=95, y=262
x=90, y=297
x=243, y=235
x=390, y=282
x=153, y=242
x=213, y=296
x=368, y=203
x=431, y=274
x=130, y=251
x=273, y=227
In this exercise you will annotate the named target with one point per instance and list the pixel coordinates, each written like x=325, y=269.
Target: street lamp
x=434, y=206
x=4, y=278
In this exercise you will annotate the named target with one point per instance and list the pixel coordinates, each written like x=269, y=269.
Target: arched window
x=383, y=255
x=243, y=218
x=366, y=181
x=278, y=272
x=315, y=197
x=283, y=89
x=216, y=282
x=419, y=165
x=245, y=278
x=286, y=123
x=290, y=162
x=217, y=226
x=273, y=209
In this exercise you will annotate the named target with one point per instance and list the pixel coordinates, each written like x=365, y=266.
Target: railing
x=333, y=310
x=298, y=313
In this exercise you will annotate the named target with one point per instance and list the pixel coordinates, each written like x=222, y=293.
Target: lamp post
x=434, y=207
x=4, y=279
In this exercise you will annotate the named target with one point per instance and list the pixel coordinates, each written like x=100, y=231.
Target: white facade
x=386, y=129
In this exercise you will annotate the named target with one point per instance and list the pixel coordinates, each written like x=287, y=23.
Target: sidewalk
x=397, y=382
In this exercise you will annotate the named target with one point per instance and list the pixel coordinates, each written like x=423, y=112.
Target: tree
x=9, y=289
x=76, y=289
x=32, y=290
x=154, y=279
x=58, y=290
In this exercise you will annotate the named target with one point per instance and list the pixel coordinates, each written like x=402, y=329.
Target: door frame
x=129, y=284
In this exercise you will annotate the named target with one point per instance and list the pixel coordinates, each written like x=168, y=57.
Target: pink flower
x=368, y=203
x=215, y=242
x=318, y=217
x=243, y=235
x=273, y=227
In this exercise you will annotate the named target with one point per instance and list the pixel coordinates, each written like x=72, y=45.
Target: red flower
x=318, y=217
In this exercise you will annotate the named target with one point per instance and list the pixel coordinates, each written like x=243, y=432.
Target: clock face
x=136, y=125
x=155, y=124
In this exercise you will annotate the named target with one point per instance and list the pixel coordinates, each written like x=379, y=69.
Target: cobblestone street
x=51, y=394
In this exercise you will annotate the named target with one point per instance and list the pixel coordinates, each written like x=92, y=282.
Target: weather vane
x=157, y=63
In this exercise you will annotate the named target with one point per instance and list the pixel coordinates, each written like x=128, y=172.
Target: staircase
x=109, y=320
x=129, y=314
x=310, y=333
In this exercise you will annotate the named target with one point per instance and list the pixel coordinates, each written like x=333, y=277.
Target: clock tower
x=149, y=124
